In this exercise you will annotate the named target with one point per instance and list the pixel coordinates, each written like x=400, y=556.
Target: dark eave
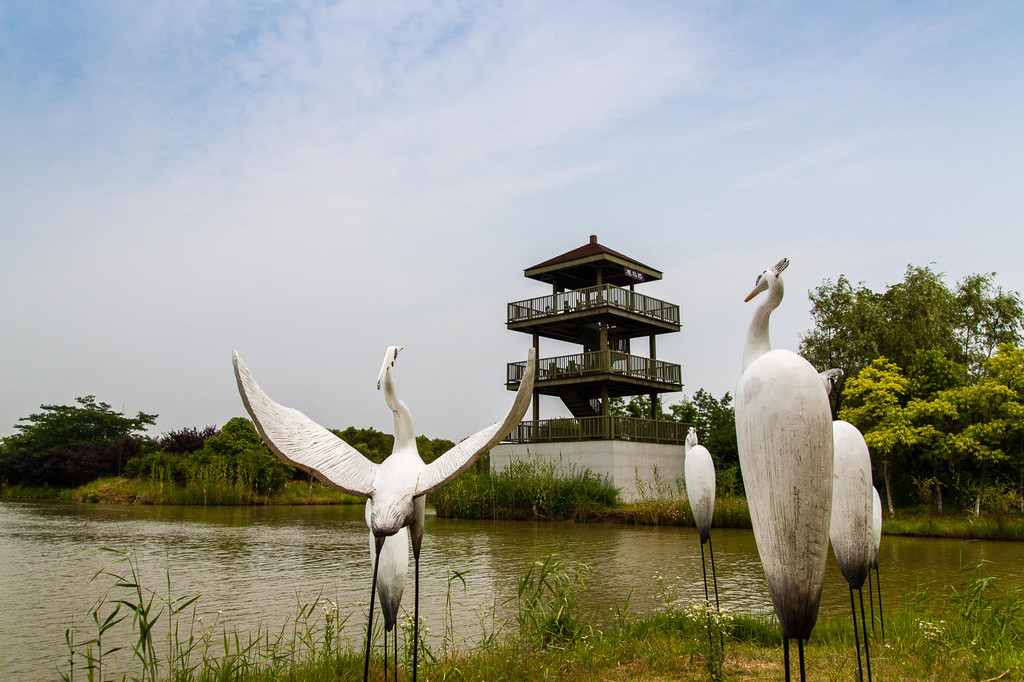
x=579, y=268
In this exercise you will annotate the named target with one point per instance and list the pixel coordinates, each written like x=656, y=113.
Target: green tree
x=929, y=374
x=919, y=313
x=68, y=445
x=845, y=333
x=375, y=445
x=238, y=451
x=988, y=318
x=968, y=425
x=874, y=405
x=1007, y=368
x=432, y=448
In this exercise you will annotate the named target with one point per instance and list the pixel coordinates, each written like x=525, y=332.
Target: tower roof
x=580, y=267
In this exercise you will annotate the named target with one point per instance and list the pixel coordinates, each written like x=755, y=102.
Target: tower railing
x=609, y=427
x=597, y=362
x=602, y=295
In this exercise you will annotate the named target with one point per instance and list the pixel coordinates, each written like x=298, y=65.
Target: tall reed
x=528, y=489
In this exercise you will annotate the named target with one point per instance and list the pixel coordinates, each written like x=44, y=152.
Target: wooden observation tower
x=594, y=305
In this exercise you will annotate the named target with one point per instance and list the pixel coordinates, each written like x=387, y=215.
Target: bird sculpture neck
x=405, y=435
x=758, y=342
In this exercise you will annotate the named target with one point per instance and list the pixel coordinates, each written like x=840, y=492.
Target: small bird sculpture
x=851, y=519
x=699, y=473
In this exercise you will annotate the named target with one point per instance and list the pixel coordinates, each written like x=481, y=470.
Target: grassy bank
x=962, y=526
x=119, y=490
x=527, y=489
x=970, y=631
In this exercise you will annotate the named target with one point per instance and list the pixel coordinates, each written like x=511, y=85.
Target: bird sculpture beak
x=388, y=361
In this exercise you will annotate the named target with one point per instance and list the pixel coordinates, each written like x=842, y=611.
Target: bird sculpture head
x=691, y=437
x=767, y=277
x=829, y=378
x=390, y=355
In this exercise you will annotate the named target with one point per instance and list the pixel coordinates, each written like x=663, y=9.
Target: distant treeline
x=66, y=446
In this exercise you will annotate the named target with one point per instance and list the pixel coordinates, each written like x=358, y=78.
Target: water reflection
x=256, y=564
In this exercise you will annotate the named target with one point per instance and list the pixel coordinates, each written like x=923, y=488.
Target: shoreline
x=729, y=512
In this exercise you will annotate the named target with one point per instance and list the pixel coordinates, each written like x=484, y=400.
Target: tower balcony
x=609, y=427
x=560, y=316
x=621, y=373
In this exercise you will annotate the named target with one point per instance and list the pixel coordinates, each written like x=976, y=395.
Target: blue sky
x=310, y=183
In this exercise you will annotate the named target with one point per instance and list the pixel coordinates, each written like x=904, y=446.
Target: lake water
x=258, y=564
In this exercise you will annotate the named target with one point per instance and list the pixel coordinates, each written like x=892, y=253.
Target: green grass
x=120, y=490
x=987, y=527
x=969, y=631
x=730, y=512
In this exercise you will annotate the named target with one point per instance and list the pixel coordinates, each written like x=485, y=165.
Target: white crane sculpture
x=397, y=486
x=876, y=543
x=784, y=435
x=851, y=520
x=699, y=473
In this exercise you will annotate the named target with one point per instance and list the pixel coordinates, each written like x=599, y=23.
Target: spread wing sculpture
x=397, y=486
x=297, y=439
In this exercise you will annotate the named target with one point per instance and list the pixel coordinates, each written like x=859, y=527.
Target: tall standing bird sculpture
x=784, y=434
x=876, y=543
x=851, y=520
x=699, y=473
x=397, y=486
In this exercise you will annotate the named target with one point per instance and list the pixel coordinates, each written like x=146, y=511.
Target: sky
x=309, y=183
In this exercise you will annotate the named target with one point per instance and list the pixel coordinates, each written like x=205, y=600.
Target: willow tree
x=874, y=405
x=988, y=318
x=846, y=323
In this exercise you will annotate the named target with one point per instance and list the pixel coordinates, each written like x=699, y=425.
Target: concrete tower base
x=658, y=467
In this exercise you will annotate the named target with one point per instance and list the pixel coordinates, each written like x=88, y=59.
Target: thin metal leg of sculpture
x=369, y=624
x=416, y=622
x=856, y=641
x=704, y=570
x=867, y=652
x=881, y=616
x=714, y=579
x=714, y=575
x=803, y=671
x=785, y=655
x=707, y=601
x=871, y=601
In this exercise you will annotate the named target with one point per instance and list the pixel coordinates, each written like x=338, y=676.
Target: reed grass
x=972, y=630
x=730, y=512
x=528, y=489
